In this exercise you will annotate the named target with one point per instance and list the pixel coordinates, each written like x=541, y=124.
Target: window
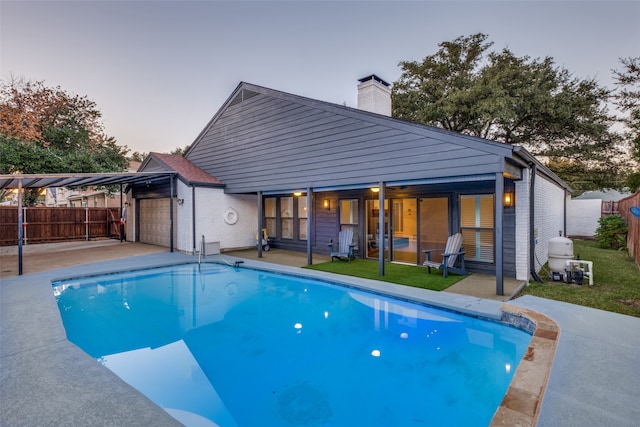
x=302, y=217
x=286, y=217
x=476, y=221
x=270, y=216
x=349, y=217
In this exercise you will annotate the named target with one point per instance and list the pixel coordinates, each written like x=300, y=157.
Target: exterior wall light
x=180, y=202
x=326, y=203
x=375, y=189
x=509, y=199
x=297, y=194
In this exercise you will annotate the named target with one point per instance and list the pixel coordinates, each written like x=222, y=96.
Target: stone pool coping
x=521, y=403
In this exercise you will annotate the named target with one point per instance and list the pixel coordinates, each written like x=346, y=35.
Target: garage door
x=154, y=221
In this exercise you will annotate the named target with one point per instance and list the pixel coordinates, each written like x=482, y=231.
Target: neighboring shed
x=584, y=211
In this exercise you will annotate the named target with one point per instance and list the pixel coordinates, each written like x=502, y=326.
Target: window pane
x=302, y=207
x=270, y=207
x=287, y=228
x=468, y=211
x=270, y=224
x=303, y=229
x=476, y=219
x=349, y=211
x=286, y=207
x=486, y=211
x=349, y=217
x=286, y=217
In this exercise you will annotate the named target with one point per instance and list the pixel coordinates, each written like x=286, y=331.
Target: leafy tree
x=47, y=130
x=180, y=151
x=628, y=101
x=465, y=87
x=138, y=156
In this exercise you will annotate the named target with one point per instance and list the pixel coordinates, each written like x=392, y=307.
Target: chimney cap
x=373, y=77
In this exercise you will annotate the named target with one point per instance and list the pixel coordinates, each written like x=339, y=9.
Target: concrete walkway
x=46, y=380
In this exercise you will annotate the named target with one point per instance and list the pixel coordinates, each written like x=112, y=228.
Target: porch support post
x=499, y=212
x=20, y=225
x=381, y=232
x=171, y=193
x=260, y=225
x=309, y=219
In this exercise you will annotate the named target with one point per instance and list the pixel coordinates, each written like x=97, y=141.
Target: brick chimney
x=374, y=95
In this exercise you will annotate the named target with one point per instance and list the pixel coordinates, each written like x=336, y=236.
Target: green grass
x=409, y=275
x=616, y=285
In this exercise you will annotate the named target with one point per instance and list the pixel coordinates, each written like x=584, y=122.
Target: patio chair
x=449, y=256
x=345, y=245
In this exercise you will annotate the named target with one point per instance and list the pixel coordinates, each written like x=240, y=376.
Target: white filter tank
x=560, y=251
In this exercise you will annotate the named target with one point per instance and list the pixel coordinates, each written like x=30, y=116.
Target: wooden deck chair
x=345, y=245
x=449, y=256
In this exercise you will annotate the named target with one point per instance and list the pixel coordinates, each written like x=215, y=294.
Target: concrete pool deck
x=46, y=380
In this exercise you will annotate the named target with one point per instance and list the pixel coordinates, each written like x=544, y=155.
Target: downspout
x=564, y=222
x=532, y=211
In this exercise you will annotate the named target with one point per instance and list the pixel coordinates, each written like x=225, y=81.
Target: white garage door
x=154, y=222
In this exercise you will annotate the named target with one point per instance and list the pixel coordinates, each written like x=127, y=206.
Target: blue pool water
x=241, y=347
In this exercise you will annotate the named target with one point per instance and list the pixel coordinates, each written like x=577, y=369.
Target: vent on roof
x=243, y=95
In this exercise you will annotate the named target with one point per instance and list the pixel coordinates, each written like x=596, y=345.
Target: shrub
x=612, y=232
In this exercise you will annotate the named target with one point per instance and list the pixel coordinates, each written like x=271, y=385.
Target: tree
x=138, y=156
x=47, y=130
x=465, y=87
x=180, y=151
x=628, y=100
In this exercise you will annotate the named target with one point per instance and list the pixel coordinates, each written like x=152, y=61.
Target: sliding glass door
x=434, y=226
x=404, y=230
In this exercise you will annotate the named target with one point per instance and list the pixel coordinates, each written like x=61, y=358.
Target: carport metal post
x=19, y=226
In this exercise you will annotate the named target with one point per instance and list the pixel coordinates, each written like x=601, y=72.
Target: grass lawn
x=616, y=284
x=410, y=275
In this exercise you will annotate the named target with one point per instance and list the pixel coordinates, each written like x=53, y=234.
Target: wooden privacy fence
x=633, y=237
x=47, y=225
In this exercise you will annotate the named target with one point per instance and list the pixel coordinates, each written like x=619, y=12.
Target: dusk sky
x=160, y=70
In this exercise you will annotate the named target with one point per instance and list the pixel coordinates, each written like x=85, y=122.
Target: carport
x=22, y=181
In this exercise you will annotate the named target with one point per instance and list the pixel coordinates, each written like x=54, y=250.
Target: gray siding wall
x=273, y=143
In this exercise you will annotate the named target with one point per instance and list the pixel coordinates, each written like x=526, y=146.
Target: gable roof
x=265, y=140
x=187, y=171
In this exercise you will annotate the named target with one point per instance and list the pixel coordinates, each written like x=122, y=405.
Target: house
x=94, y=197
x=305, y=169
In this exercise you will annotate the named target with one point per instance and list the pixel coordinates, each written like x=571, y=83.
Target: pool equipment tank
x=560, y=251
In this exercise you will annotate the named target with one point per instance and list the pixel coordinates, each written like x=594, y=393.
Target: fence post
x=86, y=222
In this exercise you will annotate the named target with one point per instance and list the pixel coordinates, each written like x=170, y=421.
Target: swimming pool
x=241, y=347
